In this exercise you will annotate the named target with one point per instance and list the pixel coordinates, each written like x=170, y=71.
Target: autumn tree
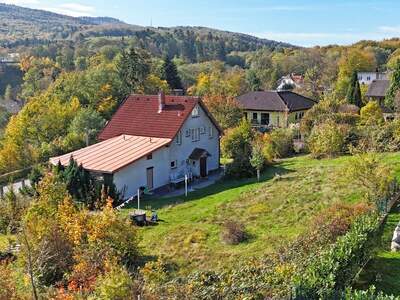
x=371, y=114
x=225, y=109
x=352, y=60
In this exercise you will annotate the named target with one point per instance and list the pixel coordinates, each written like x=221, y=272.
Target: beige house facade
x=272, y=109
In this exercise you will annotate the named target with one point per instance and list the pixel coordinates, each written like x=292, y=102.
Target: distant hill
x=20, y=26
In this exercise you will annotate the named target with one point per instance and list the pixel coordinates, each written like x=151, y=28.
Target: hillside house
x=152, y=141
x=268, y=109
x=368, y=77
x=290, y=82
x=377, y=92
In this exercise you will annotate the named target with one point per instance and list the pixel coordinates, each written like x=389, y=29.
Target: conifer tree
x=394, y=86
x=133, y=69
x=354, y=91
x=170, y=74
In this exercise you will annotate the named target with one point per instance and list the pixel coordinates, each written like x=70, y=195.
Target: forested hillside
x=28, y=27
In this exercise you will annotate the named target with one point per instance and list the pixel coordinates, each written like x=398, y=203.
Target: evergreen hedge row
x=330, y=273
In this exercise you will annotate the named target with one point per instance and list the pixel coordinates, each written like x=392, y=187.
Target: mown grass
x=274, y=211
x=383, y=271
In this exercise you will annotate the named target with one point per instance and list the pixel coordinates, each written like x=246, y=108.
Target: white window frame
x=195, y=112
x=195, y=132
x=179, y=138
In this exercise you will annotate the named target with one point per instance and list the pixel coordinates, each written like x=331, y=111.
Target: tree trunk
x=258, y=174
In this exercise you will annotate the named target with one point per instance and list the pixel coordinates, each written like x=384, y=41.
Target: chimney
x=161, y=101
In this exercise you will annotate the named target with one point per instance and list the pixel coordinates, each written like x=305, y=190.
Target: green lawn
x=274, y=212
x=383, y=270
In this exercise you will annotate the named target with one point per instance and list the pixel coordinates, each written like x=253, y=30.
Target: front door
x=203, y=166
x=150, y=182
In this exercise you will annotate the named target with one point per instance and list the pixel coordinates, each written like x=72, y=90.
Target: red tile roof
x=113, y=154
x=138, y=115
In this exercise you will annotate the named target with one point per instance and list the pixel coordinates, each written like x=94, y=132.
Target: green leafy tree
x=394, y=86
x=253, y=80
x=170, y=74
x=327, y=140
x=257, y=157
x=236, y=144
x=354, y=92
x=87, y=123
x=133, y=69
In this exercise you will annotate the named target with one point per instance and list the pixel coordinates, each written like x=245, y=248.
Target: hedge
x=330, y=273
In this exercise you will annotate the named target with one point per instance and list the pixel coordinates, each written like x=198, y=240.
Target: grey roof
x=275, y=101
x=378, y=88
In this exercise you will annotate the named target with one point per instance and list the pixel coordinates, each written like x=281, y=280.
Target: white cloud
x=390, y=29
x=72, y=9
x=20, y=2
x=326, y=38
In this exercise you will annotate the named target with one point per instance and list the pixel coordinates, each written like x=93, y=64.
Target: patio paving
x=197, y=184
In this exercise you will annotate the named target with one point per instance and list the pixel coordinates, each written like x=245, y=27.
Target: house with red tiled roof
x=153, y=141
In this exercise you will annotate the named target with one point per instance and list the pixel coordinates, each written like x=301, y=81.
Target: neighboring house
x=292, y=80
x=368, y=77
x=152, y=141
x=267, y=109
x=377, y=92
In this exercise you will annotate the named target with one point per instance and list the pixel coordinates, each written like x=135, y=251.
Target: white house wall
x=134, y=175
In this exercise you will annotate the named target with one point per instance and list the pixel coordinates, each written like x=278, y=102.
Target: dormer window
x=195, y=112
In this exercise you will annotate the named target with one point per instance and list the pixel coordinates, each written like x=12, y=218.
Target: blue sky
x=301, y=22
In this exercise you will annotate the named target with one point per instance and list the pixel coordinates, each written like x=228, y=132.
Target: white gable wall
x=181, y=153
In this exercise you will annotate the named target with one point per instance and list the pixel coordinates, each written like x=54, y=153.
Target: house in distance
x=151, y=141
x=267, y=109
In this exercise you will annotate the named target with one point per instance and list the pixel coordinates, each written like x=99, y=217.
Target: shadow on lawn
x=220, y=186
x=383, y=273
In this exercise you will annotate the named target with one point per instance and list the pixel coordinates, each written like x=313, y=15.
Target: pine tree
x=133, y=69
x=170, y=74
x=354, y=92
x=8, y=94
x=394, y=86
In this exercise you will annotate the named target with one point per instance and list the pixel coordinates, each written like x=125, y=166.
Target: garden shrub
x=233, y=233
x=278, y=143
x=328, y=140
x=371, y=114
x=370, y=294
x=114, y=284
x=236, y=144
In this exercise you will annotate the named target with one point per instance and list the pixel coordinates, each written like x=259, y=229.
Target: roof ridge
x=283, y=101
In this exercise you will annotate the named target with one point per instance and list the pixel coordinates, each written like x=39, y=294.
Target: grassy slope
x=274, y=211
x=383, y=271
